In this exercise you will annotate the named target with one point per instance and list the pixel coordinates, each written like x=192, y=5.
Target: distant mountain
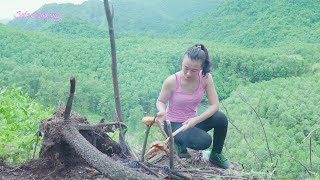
x=130, y=15
x=75, y=26
x=5, y=20
x=263, y=23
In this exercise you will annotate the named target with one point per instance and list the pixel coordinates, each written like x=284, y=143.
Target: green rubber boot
x=182, y=152
x=219, y=160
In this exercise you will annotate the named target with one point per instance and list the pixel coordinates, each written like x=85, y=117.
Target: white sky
x=8, y=8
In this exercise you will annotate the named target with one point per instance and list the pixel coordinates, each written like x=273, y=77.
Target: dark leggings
x=197, y=137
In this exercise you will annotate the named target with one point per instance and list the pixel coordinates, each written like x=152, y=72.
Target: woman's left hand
x=190, y=123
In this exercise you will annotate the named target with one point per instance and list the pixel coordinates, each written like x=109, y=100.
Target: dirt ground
x=195, y=167
x=58, y=160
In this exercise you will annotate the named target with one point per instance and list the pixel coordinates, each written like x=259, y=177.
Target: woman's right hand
x=161, y=116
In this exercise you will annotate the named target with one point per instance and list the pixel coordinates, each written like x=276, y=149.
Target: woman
x=183, y=91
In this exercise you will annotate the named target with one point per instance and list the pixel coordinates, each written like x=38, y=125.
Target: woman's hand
x=161, y=116
x=190, y=123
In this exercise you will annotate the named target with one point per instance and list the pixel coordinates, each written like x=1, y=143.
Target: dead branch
x=244, y=136
x=146, y=138
x=170, y=144
x=310, y=153
x=114, y=59
x=264, y=131
x=311, y=132
x=70, y=99
x=126, y=150
x=211, y=170
x=112, y=124
x=310, y=146
x=148, y=169
x=97, y=159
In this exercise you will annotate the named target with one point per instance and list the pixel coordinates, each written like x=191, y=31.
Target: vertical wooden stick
x=171, y=141
x=70, y=99
x=310, y=154
x=162, y=130
x=146, y=138
x=110, y=16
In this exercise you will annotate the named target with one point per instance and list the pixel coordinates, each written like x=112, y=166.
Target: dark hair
x=200, y=53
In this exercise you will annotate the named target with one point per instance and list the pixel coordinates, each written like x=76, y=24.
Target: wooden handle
x=175, y=133
x=178, y=130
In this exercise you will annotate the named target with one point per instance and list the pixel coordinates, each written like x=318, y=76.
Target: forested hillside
x=40, y=62
x=266, y=54
x=133, y=16
x=254, y=23
x=289, y=110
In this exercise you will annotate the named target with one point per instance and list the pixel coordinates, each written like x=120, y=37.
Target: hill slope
x=258, y=23
x=134, y=16
x=143, y=62
x=289, y=111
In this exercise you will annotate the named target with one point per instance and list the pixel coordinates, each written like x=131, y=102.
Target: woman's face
x=190, y=68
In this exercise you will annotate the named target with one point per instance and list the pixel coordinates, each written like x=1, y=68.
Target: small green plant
x=19, y=119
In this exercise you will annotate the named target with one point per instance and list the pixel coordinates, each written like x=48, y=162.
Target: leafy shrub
x=19, y=118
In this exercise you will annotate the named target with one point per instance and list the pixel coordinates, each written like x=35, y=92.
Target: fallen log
x=97, y=159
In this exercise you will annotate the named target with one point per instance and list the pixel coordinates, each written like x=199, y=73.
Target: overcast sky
x=8, y=8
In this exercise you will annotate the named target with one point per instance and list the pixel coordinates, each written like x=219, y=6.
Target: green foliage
x=42, y=63
x=258, y=23
x=289, y=109
x=19, y=118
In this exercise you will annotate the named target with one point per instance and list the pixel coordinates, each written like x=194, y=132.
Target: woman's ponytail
x=206, y=62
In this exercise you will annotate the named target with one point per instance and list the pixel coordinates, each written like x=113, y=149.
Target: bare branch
x=311, y=133
x=264, y=131
x=146, y=138
x=171, y=141
x=243, y=134
x=70, y=99
x=114, y=59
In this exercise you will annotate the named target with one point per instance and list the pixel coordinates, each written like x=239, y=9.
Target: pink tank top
x=181, y=105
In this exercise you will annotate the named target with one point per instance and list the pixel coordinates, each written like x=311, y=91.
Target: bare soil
x=57, y=160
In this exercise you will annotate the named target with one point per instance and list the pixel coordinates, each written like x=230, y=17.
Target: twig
x=311, y=133
x=264, y=131
x=35, y=147
x=82, y=126
x=201, y=171
x=146, y=138
x=310, y=146
x=157, y=157
x=211, y=173
x=173, y=174
x=124, y=145
x=14, y=169
x=148, y=169
x=309, y=172
x=70, y=99
x=244, y=136
x=111, y=123
x=310, y=150
x=162, y=131
x=171, y=141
